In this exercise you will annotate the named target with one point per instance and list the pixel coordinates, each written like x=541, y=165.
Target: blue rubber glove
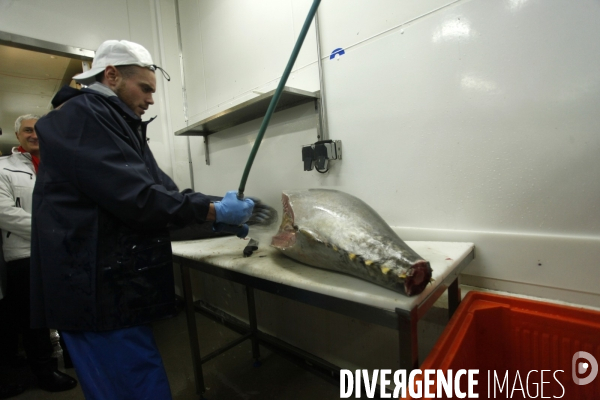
x=232, y=211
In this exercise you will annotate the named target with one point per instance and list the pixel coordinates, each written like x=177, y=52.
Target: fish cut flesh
x=336, y=231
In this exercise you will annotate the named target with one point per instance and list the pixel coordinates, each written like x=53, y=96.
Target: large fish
x=336, y=231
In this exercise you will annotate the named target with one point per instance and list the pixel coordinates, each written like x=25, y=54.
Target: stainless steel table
x=270, y=271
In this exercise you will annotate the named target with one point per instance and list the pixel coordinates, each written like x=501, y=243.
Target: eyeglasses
x=154, y=67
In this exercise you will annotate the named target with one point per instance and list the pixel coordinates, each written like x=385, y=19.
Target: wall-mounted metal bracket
x=319, y=154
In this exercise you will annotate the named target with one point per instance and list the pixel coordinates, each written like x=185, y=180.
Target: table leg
x=454, y=297
x=409, y=340
x=192, y=328
x=253, y=324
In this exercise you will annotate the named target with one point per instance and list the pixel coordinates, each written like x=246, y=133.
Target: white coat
x=17, y=178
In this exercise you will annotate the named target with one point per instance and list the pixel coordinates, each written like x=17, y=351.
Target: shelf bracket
x=206, y=155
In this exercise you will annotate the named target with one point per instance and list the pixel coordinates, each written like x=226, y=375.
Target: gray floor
x=232, y=375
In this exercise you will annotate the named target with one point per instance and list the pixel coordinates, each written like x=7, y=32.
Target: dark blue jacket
x=100, y=250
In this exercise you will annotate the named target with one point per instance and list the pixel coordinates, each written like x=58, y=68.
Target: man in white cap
x=101, y=253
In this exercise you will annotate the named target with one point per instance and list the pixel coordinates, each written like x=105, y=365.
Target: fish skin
x=336, y=231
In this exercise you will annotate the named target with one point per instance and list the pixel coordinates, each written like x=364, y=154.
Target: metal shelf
x=248, y=111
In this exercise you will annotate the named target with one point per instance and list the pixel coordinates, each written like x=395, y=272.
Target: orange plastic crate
x=513, y=337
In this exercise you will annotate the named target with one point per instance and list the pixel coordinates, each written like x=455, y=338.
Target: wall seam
x=165, y=93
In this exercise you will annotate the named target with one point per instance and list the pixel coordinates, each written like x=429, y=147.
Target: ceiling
x=28, y=81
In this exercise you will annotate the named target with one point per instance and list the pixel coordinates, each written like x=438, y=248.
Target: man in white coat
x=17, y=178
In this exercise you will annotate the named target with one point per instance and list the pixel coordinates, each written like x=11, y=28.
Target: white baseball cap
x=117, y=52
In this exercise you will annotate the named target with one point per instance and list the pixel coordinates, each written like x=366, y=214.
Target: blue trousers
x=122, y=364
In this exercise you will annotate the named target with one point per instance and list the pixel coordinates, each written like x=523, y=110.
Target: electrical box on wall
x=319, y=154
